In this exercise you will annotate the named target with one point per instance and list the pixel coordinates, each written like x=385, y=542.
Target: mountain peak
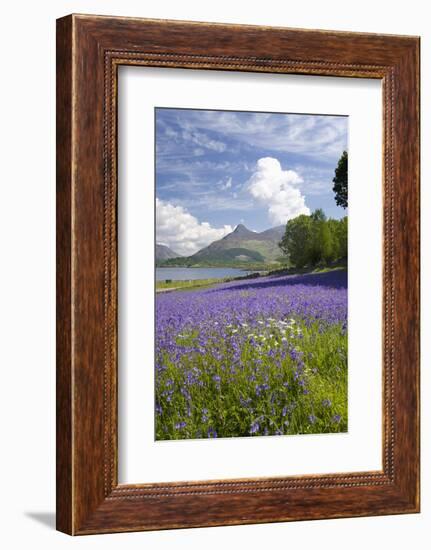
x=240, y=229
x=243, y=245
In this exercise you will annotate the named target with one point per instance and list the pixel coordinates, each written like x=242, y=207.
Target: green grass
x=268, y=392
x=192, y=284
x=305, y=270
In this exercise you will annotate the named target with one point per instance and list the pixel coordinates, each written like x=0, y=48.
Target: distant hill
x=163, y=252
x=242, y=246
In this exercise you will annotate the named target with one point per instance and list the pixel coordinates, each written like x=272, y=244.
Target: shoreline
x=195, y=284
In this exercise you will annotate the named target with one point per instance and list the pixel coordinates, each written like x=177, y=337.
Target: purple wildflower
x=255, y=427
x=211, y=433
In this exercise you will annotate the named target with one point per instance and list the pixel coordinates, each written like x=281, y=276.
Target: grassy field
x=205, y=283
x=184, y=285
x=257, y=357
x=269, y=394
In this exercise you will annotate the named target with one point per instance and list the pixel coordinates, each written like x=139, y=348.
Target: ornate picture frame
x=89, y=51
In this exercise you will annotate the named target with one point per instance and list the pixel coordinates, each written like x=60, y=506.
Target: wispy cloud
x=316, y=179
x=220, y=202
x=181, y=163
x=225, y=183
x=203, y=140
x=308, y=135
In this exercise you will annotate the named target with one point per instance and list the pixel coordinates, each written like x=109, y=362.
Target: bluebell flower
x=254, y=428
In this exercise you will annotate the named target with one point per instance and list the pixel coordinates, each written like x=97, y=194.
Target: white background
x=27, y=233
x=141, y=458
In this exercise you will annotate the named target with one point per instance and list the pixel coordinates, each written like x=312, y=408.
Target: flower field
x=264, y=356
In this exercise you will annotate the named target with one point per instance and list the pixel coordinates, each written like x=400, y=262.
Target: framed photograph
x=237, y=274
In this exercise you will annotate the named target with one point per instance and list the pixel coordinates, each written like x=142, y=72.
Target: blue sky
x=216, y=169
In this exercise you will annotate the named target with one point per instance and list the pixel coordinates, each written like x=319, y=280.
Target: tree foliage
x=297, y=240
x=314, y=240
x=340, y=181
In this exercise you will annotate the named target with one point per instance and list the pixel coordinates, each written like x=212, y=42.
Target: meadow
x=189, y=284
x=266, y=356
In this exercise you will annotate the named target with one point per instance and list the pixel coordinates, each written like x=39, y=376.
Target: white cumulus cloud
x=178, y=229
x=277, y=189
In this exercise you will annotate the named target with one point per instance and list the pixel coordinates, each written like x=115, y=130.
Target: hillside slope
x=242, y=246
x=163, y=252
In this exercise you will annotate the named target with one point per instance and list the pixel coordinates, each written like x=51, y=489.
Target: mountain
x=243, y=245
x=240, y=232
x=273, y=233
x=163, y=252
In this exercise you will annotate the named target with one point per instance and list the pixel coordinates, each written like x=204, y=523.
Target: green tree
x=342, y=237
x=333, y=226
x=340, y=181
x=297, y=239
x=326, y=243
x=318, y=215
x=314, y=240
x=322, y=242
